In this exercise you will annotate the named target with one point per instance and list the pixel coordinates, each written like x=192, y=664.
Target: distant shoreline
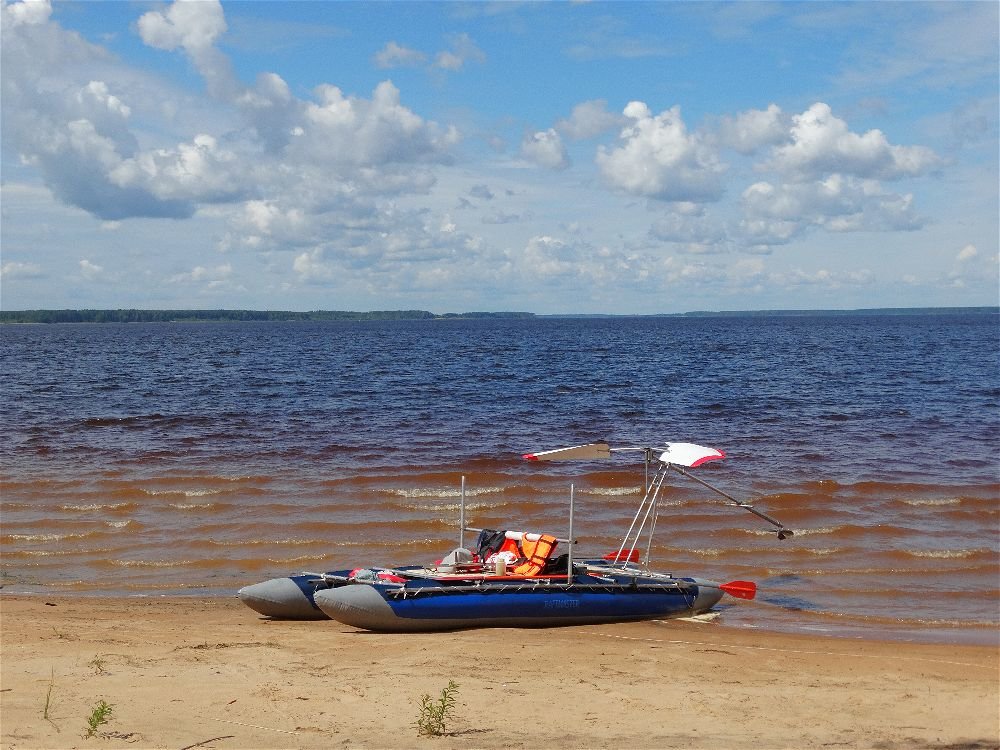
x=223, y=315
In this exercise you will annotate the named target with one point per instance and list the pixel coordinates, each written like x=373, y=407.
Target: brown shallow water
x=194, y=459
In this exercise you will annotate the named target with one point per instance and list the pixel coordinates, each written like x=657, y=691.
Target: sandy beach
x=209, y=673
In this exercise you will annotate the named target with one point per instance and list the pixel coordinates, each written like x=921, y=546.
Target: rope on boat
x=608, y=588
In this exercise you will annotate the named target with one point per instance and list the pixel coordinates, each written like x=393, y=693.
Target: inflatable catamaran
x=516, y=578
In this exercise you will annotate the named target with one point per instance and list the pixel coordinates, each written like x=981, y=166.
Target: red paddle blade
x=626, y=555
x=740, y=589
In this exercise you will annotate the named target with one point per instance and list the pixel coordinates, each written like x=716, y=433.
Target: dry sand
x=209, y=673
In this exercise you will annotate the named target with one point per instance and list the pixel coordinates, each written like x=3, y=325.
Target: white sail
x=689, y=454
x=578, y=452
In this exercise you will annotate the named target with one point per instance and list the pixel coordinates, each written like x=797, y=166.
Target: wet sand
x=210, y=673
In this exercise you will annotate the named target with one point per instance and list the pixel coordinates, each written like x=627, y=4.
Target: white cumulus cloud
x=380, y=130
x=658, y=158
x=310, y=266
x=546, y=149
x=967, y=253
x=88, y=135
x=394, y=55
x=194, y=26
x=754, y=128
x=202, y=274
x=26, y=13
x=774, y=214
x=20, y=270
x=589, y=119
x=191, y=24
x=462, y=50
x=546, y=256
x=90, y=271
x=822, y=144
x=196, y=171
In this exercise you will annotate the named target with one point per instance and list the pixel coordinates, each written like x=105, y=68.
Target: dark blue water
x=198, y=457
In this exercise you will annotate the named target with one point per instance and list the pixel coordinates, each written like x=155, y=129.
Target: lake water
x=173, y=459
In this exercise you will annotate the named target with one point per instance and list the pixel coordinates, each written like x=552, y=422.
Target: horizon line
x=497, y=313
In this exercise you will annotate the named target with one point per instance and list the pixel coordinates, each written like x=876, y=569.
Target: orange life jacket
x=536, y=554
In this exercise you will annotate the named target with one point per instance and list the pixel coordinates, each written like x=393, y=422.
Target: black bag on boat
x=489, y=542
x=557, y=566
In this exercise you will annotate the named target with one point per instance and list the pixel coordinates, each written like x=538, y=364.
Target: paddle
x=740, y=589
x=630, y=555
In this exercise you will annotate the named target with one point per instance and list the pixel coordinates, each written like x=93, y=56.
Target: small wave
x=925, y=574
x=201, y=493
x=292, y=560
x=670, y=503
x=52, y=552
x=817, y=551
x=266, y=542
x=193, y=506
x=742, y=551
x=185, y=493
x=171, y=480
x=154, y=563
x=796, y=532
x=121, y=421
x=814, y=611
x=947, y=553
x=118, y=524
x=933, y=502
x=10, y=507
x=950, y=623
x=710, y=552
x=98, y=506
x=704, y=617
x=421, y=543
x=419, y=492
x=455, y=507
x=811, y=532
x=43, y=537
x=613, y=491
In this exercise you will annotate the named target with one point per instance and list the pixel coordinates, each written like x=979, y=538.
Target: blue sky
x=551, y=157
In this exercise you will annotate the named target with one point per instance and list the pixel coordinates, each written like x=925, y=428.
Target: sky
x=551, y=157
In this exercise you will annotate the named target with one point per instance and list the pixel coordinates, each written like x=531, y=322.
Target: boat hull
x=291, y=597
x=429, y=608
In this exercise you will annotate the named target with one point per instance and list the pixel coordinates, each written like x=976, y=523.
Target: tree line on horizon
x=181, y=316
x=222, y=315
